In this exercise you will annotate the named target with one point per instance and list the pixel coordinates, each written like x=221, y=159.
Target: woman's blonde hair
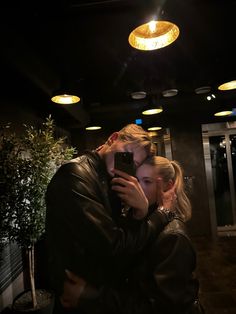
x=134, y=133
x=171, y=170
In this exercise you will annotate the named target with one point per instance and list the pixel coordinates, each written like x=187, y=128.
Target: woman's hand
x=166, y=198
x=73, y=288
x=131, y=193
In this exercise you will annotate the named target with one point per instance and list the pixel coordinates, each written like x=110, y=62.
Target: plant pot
x=22, y=304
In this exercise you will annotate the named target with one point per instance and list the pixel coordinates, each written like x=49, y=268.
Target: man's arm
x=80, y=227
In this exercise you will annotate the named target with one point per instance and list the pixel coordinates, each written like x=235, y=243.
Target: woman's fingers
x=166, y=197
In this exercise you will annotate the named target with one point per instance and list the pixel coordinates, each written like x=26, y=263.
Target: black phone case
x=124, y=162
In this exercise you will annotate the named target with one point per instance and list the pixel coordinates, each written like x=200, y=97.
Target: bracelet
x=170, y=215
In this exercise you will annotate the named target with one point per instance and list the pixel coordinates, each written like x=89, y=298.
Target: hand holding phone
x=129, y=189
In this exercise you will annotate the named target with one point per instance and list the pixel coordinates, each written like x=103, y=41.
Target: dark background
x=83, y=45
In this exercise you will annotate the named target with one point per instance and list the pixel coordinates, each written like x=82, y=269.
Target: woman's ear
x=169, y=185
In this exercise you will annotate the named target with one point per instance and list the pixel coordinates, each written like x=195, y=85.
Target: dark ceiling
x=83, y=44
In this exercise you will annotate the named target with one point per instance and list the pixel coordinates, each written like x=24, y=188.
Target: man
x=83, y=229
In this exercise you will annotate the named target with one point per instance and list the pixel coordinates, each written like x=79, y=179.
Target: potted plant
x=7, y=178
x=27, y=165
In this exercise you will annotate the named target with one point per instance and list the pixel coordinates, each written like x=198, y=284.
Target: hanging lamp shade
x=223, y=113
x=153, y=35
x=65, y=99
x=151, y=111
x=67, y=91
x=152, y=107
x=228, y=85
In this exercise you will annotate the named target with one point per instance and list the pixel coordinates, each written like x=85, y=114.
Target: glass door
x=220, y=162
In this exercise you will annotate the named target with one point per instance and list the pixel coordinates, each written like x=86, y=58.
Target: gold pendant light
x=228, y=85
x=223, y=113
x=153, y=35
x=65, y=99
x=152, y=111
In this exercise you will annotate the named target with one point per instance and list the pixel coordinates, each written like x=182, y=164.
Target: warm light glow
x=228, y=86
x=223, y=113
x=152, y=26
x=93, y=128
x=152, y=133
x=155, y=128
x=65, y=99
x=153, y=35
x=152, y=111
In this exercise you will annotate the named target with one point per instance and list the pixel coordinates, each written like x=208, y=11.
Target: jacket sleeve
x=80, y=231
x=172, y=287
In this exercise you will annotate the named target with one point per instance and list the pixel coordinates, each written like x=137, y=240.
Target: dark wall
x=82, y=139
x=187, y=149
x=18, y=113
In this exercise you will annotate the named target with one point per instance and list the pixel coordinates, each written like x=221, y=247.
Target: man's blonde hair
x=134, y=133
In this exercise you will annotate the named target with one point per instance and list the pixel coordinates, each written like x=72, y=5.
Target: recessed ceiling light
x=139, y=95
x=228, y=86
x=170, y=92
x=203, y=90
x=93, y=128
x=223, y=113
x=152, y=111
x=155, y=128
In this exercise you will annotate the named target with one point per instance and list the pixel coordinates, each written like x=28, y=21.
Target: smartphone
x=124, y=161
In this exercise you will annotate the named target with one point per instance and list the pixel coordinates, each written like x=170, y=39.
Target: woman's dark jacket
x=162, y=280
x=83, y=232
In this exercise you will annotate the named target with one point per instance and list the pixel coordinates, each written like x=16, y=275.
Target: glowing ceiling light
x=228, y=85
x=65, y=99
x=93, y=128
x=155, y=128
x=153, y=35
x=152, y=111
x=223, y=113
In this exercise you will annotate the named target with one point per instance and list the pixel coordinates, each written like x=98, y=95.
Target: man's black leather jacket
x=83, y=232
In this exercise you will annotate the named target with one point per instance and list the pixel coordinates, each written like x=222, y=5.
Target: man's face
x=139, y=153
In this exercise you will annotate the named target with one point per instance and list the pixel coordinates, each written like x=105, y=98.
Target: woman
x=162, y=279
x=163, y=282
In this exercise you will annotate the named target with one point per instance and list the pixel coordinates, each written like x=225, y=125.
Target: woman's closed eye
x=148, y=181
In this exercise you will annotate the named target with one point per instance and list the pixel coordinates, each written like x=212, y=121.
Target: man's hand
x=166, y=198
x=73, y=288
x=131, y=193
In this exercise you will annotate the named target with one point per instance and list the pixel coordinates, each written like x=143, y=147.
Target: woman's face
x=146, y=175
